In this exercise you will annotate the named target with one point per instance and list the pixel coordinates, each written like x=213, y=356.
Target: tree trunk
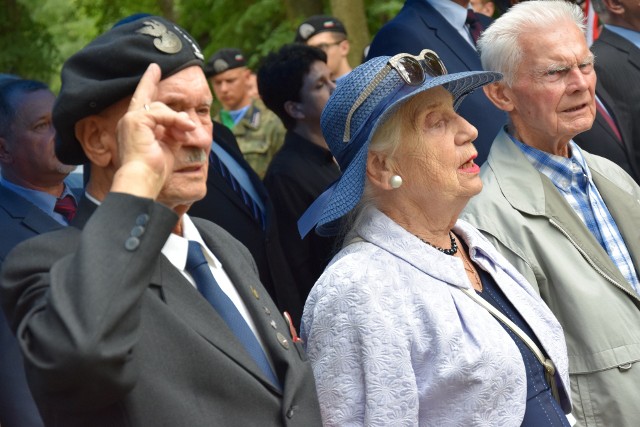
x=298, y=10
x=168, y=10
x=352, y=15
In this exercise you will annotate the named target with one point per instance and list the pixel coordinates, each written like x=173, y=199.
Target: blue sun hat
x=363, y=100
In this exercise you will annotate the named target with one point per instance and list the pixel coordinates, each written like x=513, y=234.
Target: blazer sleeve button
x=137, y=231
x=142, y=219
x=132, y=243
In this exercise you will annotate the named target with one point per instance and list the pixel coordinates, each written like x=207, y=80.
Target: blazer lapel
x=622, y=44
x=32, y=216
x=515, y=173
x=267, y=319
x=623, y=207
x=221, y=184
x=449, y=36
x=199, y=315
x=560, y=211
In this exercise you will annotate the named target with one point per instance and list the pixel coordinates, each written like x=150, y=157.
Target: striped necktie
x=248, y=200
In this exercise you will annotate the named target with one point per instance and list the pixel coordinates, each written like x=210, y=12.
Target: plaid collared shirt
x=572, y=178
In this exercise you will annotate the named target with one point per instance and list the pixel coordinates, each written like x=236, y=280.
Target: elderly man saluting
x=569, y=221
x=137, y=314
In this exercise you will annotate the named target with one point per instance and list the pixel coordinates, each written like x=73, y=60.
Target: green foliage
x=256, y=27
x=379, y=12
x=27, y=49
x=37, y=36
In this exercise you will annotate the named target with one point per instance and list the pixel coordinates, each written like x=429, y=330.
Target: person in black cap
x=327, y=33
x=259, y=132
x=137, y=314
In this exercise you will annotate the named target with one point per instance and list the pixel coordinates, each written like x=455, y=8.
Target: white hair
x=499, y=44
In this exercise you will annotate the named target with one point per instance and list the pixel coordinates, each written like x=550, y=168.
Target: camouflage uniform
x=260, y=134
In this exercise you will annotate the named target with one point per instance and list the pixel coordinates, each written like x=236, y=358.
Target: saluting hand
x=144, y=135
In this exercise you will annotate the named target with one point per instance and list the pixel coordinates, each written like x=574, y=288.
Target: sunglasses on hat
x=413, y=69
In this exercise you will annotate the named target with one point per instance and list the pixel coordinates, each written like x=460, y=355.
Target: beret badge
x=305, y=31
x=220, y=66
x=165, y=41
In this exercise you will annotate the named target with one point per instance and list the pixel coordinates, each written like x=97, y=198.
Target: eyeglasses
x=412, y=69
x=325, y=46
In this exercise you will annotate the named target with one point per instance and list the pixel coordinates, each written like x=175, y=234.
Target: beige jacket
x=528, y=220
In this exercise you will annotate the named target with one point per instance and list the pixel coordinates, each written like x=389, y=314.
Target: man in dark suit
x=610, y=135
x=226, y=207
x=617, y=51
x=32, y=181
x=441, y=25
x=137, y=314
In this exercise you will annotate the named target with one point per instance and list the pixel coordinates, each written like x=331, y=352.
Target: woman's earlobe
x=380, y=173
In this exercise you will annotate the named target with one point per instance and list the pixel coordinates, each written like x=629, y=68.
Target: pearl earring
x=395, y=181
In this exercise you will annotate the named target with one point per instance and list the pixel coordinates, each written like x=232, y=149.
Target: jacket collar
x=620, y=43
x=22, y=209
x=447, y=35
x=514, y=172
x=382, y=231
x=530, y=192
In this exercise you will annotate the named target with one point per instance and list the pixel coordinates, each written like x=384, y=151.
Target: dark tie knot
x=66, y=206
x=475, y=26
x=472, y=18
x=195, y=257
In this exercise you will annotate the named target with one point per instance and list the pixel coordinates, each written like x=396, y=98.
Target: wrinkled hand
x=144, y=136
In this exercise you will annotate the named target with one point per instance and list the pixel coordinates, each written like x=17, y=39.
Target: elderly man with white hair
x=567, y=220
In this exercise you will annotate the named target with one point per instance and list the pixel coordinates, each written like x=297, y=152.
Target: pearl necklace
x=452, y=251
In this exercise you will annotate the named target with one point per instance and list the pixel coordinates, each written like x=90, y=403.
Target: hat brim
x=350, y=186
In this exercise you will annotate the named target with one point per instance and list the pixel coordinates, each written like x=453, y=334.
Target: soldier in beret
x=137, y=314
x=327, y=33
x=258, y=130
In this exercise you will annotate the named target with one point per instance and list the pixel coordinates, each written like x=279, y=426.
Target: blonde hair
x=400, y=127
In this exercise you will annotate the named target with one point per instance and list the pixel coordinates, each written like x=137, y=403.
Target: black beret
x=223, y=60
x=110, y=67
x=318, y=24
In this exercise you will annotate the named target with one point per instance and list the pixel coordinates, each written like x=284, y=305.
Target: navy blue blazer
x=224, y=207
x=19, y=220
x=419, y=26
x=618, y=70
x=602, y=141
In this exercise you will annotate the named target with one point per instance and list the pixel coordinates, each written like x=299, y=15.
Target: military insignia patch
x=220, y=66
x=165, y=40
x=306, y=30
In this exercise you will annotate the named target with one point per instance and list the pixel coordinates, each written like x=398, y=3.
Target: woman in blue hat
x=418, y=320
